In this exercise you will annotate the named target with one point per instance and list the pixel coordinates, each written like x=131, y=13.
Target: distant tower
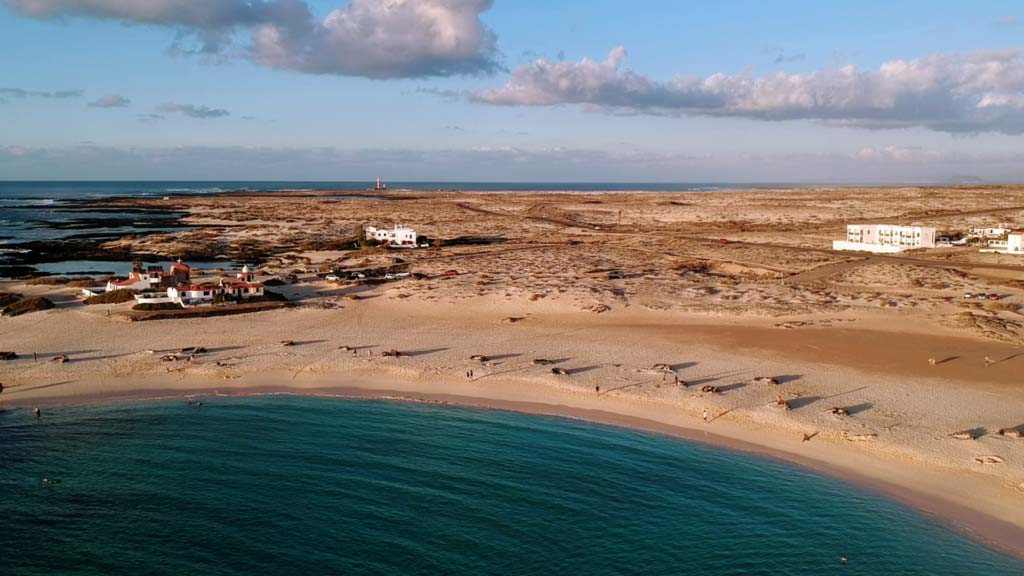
x=380, y=185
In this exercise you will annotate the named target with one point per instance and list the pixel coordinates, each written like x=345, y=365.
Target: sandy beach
x=834, y=332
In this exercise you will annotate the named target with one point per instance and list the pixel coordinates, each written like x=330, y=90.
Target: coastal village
x=749, y=312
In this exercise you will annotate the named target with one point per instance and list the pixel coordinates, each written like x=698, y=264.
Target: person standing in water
x=38, y=412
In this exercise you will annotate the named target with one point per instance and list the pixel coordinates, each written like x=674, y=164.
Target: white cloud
x=190, y=110
x=386, y=39
x=899, y=154
x=372, y=38
x=971, y=92
x=110, y=101
x=7, y=93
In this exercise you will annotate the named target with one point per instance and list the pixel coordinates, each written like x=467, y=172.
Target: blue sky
x=405, y=105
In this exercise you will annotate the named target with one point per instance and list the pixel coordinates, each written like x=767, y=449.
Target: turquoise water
x=288, y=485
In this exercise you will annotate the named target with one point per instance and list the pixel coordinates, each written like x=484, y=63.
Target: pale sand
x=911, y=407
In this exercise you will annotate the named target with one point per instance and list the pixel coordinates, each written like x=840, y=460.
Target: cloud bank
x=8, y=93
x=190, y=110
x=110, y=101
x=371, y=38
x=888, y=164
x=957, y=93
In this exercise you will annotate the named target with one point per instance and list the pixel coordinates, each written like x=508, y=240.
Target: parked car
x=396, y=275
x=723, y=241
x=994, y=297
x=451, y=272
x=332, y=278
x=968, y=296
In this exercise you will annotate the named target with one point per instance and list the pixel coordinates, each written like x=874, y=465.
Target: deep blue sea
x=290, y=485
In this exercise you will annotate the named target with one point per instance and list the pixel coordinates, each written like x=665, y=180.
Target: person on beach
x=35, y=357
x=597, y=388
x=807, y=437
x=931, y=361
x=705, y=415
x=989, y=361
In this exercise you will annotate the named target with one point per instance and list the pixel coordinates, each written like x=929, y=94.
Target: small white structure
x=885, y=238
x=153, y=298
x=380, y=185
x=997, y=232
x=399, y=236
x=246, y=275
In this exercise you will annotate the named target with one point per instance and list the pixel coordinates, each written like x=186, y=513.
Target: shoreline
x=989, y=531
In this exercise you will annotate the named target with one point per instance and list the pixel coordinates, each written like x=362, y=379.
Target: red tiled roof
x=234, y=285
x=195, y=288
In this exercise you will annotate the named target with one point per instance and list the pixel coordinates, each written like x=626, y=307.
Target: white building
x=141, y=280
x=188, y=295
x=146, y=279
x=1015, y=244
x=243, y=290
x=997, y=232
x=885, y=238
x=397, y=236
x=193, y=294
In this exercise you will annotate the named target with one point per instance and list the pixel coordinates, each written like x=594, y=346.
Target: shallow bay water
x=289, y=485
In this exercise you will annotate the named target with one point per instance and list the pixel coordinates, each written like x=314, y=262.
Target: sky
x=513, y=90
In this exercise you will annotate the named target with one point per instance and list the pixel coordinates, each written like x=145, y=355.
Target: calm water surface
x=287, y=485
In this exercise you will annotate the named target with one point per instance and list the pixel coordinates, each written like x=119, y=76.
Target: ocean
x=298, y=485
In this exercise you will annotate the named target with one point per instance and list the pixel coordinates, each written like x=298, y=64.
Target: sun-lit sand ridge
x=836, y=330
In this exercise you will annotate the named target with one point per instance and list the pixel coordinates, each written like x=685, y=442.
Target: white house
x=139, y=280
x=142, y=280
x=188, y=295
x=885, y=238
x=193, y=294
x=397, y=236
x=242, y=290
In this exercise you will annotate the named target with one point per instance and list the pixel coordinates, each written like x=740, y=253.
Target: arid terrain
x=663, y=251
x=642, y=299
